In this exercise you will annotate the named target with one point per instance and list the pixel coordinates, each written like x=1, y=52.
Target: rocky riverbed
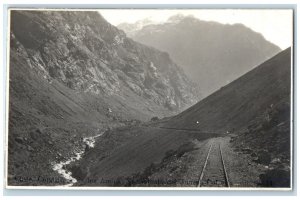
x=60, y=167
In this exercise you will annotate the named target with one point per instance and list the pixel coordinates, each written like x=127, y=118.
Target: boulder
x=264, y=157
x=19, y=140
x=246, y=150
x=29, y=148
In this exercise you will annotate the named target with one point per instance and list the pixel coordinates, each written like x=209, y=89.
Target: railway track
x=213, y=173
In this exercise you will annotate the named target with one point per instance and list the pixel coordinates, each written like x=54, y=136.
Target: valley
x=245, y=137
x=70, y=83
x=90, y=107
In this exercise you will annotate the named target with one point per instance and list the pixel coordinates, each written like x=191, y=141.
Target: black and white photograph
x=150, y=98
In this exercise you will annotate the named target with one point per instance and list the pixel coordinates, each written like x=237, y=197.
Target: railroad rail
x=227, y=184
x=204, y=166
x=224, y=168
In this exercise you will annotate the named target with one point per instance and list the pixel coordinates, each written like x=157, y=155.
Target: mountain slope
x=212, y=54
x=255, y=109
x=74, y=75
x=85, y=53
x=238, y=103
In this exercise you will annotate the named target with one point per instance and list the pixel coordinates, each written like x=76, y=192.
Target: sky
x=276, y=25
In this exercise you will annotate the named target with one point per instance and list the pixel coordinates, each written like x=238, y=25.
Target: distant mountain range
x=131, y=29
x=212, y=54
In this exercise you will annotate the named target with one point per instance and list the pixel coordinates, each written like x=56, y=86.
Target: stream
x=60, y=166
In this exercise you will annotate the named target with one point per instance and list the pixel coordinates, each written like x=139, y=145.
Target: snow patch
x=118, y=40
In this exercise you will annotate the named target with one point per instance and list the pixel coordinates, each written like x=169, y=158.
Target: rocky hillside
x=212, y=54
x=86, y=53
x=74, y=75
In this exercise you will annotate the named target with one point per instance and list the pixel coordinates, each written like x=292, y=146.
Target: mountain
x=85, y=53
x=257, y=108
x=238, y=104
x=131, y=29
x=249, y=118
x=211, y=54
x=72, y=74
